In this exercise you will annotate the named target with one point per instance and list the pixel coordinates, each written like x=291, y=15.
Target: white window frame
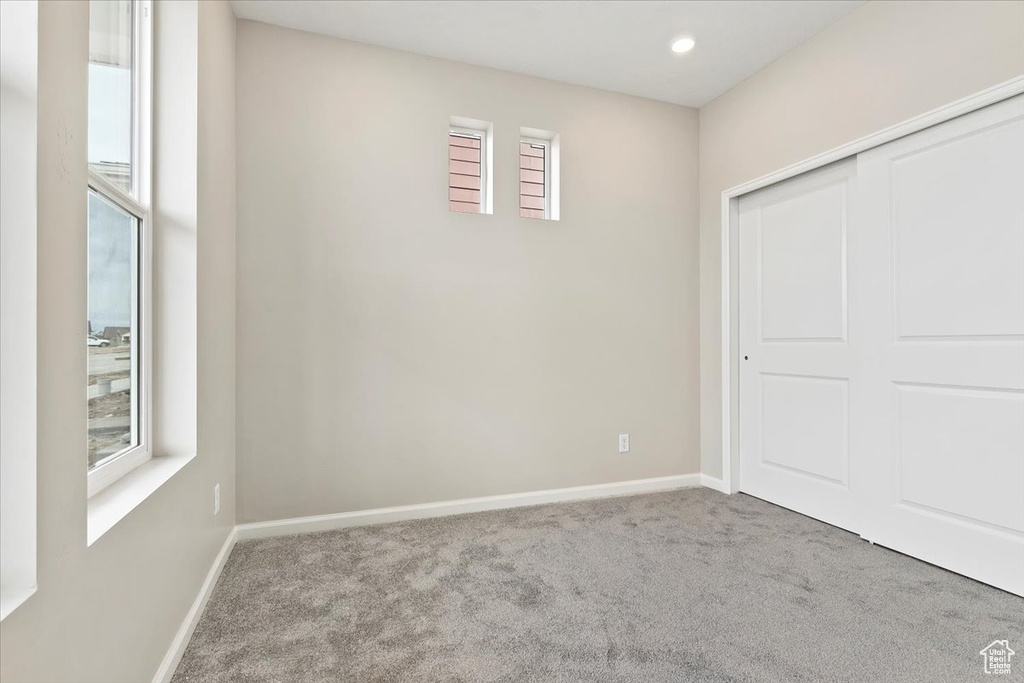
x=481, y=135
x=137, y=203
x=546, y=144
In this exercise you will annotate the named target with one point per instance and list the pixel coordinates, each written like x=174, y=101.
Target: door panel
x=795, y=353
x=804, y=299
x=804, y=427
x=941, y=238
x=953, y=201
x=936, y=427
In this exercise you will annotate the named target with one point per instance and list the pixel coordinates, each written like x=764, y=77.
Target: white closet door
x=796, y=357
x=940, y=224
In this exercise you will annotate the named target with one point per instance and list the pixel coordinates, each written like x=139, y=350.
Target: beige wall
x=108, y=612
x=883, y=63
x=391, y=352
x=215, y=279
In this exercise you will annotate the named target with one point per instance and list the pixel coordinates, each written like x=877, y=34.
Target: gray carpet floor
x=690, y=585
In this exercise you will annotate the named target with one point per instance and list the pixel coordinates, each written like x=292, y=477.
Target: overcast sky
x=110, y=230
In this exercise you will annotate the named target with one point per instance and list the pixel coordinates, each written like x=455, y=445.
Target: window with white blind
x=469, y=160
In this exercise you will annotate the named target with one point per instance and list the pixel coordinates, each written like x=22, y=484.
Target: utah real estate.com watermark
x=997, y=657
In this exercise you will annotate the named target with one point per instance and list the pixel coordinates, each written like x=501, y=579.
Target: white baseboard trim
x=715, y=483
x=342, y=520
x=184, y=634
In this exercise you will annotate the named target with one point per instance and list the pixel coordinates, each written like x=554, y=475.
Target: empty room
x=511, y=341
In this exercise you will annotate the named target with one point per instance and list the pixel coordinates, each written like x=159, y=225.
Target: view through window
x=115, y=228
x=465, y=171
x=111, y=90
x=532, y=180
x=113, y=264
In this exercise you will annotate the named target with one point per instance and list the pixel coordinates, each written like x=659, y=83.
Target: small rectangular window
x=469, y=165
x=465, y=171
x=538, y=174
x=533, y=194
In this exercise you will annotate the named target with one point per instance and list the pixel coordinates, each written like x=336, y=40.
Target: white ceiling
x=616, y=45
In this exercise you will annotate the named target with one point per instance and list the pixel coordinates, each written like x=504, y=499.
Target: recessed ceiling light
x=683, y=45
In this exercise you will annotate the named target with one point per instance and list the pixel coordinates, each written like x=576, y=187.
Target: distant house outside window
x=539, y=152
x=533, y=194
x=465, y=161
x=470, y=165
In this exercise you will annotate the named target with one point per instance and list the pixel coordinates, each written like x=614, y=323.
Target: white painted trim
x=342, y=520
x=996, y=93
x=166, y=670
x=709, y=482
x=11, y=599
x=112, y=504
x=730, y=216
x=21, y=177
x=730, y=407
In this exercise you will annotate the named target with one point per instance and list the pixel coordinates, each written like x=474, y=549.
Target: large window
x=118, y=340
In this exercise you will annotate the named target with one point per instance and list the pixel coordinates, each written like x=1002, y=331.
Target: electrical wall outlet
x=216, y=498
x=623, y=443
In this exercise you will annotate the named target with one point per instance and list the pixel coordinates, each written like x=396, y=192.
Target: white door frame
x=730, y=269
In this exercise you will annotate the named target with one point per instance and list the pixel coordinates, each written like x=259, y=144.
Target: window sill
x=113, y=503
x=11, y=599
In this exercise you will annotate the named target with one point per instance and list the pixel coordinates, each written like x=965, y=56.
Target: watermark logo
x=997, y=657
